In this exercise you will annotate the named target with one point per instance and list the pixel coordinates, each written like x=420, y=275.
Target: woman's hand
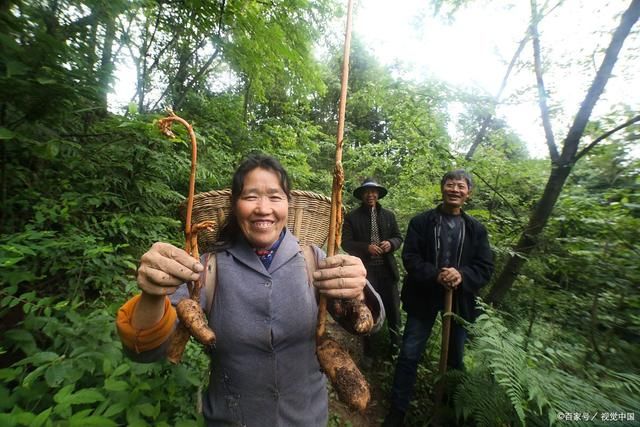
x=341, y=276
x=164, y=267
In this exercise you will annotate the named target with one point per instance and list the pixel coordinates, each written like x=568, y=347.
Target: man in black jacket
x=371, y=233
x=444, y=249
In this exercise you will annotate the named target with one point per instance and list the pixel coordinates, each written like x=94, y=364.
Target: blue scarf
x=266, y=255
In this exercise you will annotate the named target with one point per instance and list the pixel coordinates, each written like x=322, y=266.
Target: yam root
x=177, y=343
x=192, y=319
x=346, y=378
x=356, y=313
x=191, y=315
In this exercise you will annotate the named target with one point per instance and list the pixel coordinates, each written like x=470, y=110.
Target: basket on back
x=308, y=217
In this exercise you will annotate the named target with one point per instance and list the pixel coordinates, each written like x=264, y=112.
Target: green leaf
x=56, y=374
x=45, y=80
x=41, y=418
x=38, y=358
x=187, y=423
x=6, y=133
x=87, y=395
x=52, y=149
x=63, y=409
x=9, y=374
x=31, y=377
x=121, y=369
x=132, y=108
x=61, y=305
x=91, y=421
x=62, y=394
x=23, y=418
x=20, y=336
x=115, y=385
x=115, y=409
x=7, y=420
x=148, y=410
x=16, y=68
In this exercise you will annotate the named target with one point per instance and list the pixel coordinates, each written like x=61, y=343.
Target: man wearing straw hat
x=371, y=233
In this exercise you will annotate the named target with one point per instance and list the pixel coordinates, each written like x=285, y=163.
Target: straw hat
x=367, y=184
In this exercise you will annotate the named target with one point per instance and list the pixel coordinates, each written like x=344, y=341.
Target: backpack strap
x=309, y=261
x=210, y=281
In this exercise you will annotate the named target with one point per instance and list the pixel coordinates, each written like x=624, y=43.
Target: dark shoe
x=395, y=418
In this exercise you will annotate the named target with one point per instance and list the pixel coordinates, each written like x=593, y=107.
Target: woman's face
x=262, y=208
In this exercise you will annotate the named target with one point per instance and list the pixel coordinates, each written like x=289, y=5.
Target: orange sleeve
x=140, y=340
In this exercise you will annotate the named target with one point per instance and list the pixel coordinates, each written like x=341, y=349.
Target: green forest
x=86, y=188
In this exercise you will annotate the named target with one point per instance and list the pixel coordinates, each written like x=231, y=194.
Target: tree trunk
x=106, y=62
x=529, y=238
x=482, y=133
x=563, y=166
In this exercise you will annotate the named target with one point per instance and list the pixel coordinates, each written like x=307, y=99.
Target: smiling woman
x=265, y=310
x=262, y=208
x=260, y=199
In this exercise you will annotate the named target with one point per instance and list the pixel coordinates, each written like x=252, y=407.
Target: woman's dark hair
x=230, y=229
x=456, y=175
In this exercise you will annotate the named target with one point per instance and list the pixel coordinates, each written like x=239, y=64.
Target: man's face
x=370, y=197
x=454, y=193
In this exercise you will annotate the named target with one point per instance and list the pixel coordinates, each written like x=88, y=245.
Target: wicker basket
x=308, y=217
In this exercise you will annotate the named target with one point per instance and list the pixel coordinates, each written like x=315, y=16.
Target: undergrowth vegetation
x=85, y=191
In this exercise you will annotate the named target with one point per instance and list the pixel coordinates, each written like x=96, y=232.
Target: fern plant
x=508, y=383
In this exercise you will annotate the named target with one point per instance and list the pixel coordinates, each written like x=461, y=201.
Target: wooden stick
x=165, y=127
x=180, y=336
x=444, y=351
x=335, y=220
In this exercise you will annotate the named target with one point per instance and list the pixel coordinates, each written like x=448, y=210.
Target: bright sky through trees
x=475, y=48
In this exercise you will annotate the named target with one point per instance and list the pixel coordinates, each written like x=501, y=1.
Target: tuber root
x=362, y=317
x=192, y=319
x=355, y=312
x=346, y=378
x=191, y=315
x=177, y=343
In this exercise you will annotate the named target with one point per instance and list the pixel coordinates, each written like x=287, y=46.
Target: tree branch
x=605, y=136
x=206, y=66
x=542, y=92
x=486, y=122
x=515, y=214
x=183, y=62
x=482, y=133
x=195, y=79
x=629, y=18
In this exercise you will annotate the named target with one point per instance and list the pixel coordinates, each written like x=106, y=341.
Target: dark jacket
x=356, y=235
x=421, y=294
